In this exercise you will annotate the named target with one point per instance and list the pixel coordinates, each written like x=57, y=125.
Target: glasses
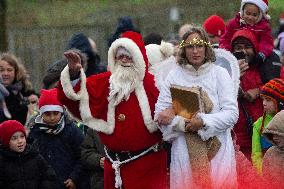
x=123, y=57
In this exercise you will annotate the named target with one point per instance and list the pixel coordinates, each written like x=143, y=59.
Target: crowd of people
x=117, y=125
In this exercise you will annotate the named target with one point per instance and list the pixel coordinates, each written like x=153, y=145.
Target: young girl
x=273, y=101
x=21, y=166
x=59, y=139
x=252, y=16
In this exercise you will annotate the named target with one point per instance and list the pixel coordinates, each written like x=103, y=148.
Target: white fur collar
x=100, y=125
x=204, y=68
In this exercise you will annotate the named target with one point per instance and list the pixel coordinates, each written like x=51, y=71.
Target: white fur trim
x=234, y=65
x=49, y=108
x=145, y=108
x=158, y=53
x=167, y=49
x=99, y=124
x=260, y=4
x=179, y=124
x=84, y=106
x=133, y=49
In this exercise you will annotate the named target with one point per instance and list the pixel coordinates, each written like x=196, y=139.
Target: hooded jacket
x=273, y=160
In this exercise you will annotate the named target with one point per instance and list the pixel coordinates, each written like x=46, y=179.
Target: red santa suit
x=126, y=128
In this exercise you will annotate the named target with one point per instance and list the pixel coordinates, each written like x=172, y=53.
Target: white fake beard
x=123, y=82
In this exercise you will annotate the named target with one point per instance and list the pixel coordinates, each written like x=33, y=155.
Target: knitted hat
x=8, y=128
x=158, y=53
x=274, y=89
x=214, y=25
x=261, y=4
x=48, y=101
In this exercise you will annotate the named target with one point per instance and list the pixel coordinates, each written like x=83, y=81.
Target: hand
x=259, y=58
x=69, y=184
x=243, y=66
x=252, y=94
x=74, y=62
x=102, y=160
x=33, y=99
x=166, y=116
x=194, y=124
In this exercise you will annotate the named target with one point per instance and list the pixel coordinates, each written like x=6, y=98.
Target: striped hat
x=274, y=89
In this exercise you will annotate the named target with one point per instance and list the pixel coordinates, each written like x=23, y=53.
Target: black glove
x=259, y=58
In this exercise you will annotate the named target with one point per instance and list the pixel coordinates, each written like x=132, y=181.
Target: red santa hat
x=8, y=128
x=261, y=4
x=214, y=25
x=48, y=101
x=133, y=43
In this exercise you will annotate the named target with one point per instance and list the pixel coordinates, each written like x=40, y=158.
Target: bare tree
x=3, y=36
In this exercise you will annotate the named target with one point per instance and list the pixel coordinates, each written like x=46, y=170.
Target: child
x=252, y=16
x=21, y=166
x=59, y=139
x=273, y=164
x=273, y=102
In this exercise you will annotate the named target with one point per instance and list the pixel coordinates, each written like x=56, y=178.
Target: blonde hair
x=209, y=52
x=21, y=74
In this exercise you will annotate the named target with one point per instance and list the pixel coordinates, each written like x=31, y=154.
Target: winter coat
x=17, y=104
x=250, y=80
x=259, y=143
x=92, y=152
x=62, y=152
x=27, y=170
x=273, y=160
x=262, y=31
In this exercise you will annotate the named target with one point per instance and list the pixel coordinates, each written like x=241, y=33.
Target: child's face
x=251, y=14
x=278, y=140
x=268, y=105
x=51, y=117
x=18, y=142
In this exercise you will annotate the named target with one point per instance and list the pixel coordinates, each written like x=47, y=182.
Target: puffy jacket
x=27, y=170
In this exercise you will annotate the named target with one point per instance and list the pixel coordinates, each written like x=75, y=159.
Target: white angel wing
x=228, y=61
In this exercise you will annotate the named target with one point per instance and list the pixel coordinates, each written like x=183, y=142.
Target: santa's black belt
x=125, y=155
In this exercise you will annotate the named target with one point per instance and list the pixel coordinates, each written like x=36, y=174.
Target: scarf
x=56, y=129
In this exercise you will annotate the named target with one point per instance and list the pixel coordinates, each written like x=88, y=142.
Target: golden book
x=186, y=101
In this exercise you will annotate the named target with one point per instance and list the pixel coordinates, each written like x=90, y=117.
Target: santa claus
x=120, y=105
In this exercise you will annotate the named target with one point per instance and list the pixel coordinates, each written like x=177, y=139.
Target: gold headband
x=195, y=41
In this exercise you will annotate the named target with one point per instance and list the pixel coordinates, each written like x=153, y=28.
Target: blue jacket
x=62, y=151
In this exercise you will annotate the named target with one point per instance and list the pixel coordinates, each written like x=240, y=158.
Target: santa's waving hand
x=120, y=105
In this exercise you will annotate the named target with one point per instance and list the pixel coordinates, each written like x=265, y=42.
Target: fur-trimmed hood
x=134, y=44
x=275, y=127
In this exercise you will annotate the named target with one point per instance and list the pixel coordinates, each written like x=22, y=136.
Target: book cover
x=186, y=100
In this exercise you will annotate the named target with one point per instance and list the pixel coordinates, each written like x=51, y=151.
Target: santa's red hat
x=214, y=25
x=48, y=101
x=261, y=4
x=133, y=43
x=8, y=128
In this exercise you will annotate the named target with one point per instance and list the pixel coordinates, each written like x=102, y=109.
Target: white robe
x=219, y=86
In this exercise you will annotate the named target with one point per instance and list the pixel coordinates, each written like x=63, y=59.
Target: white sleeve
x=176, y=127
x=227, y=116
